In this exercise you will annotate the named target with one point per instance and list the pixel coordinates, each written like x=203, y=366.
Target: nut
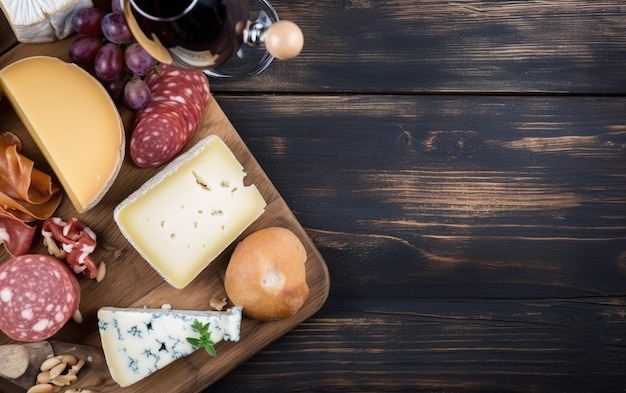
x=41, y=388
x=52, y=380
x=68, y=359
x=53, y=248
x=102, y=271
x=76, y=368
x=44, y=377
x=49, y=363
x=77, y=316
x=57, y=370
x=64, y=380
x=80, y=390
x=217, y=303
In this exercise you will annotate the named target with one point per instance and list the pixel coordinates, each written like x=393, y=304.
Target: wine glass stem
x=254, y=34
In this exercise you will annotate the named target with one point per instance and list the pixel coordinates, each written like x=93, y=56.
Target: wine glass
x=216, y=36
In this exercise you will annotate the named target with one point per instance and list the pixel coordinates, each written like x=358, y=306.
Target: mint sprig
x=204, y=341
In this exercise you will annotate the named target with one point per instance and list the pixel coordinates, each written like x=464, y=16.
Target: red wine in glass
x=210, y=34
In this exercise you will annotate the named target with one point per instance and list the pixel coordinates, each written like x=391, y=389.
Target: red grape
x=138, y=60
x=117, y=6
x=87, y=21
x=115, y=88
x=137, y=94
x=115, y=29
x=106, y=46
x=109, y=62
x=83, y=49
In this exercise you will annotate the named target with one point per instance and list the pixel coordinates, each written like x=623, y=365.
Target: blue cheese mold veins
x=138, y=342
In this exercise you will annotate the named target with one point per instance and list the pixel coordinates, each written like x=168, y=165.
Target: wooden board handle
x=20, y=363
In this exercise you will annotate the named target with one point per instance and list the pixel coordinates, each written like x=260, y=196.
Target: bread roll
x=266, y=274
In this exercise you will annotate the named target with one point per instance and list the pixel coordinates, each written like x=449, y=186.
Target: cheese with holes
x=138, y=342
x=187, y=215
x=74, y=122
x=41, y=20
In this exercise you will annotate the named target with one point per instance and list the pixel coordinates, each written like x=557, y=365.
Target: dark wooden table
x=461, y=166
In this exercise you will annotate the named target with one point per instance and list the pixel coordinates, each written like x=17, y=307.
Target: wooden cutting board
x=131, y=282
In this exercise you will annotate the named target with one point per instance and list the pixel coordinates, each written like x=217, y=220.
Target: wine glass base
x=249, y=60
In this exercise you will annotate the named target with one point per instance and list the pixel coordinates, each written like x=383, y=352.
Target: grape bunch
x=105, y=46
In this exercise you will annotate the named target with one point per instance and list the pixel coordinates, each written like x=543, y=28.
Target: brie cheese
x=41, y=20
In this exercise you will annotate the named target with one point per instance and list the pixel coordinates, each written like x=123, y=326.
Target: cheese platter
x=131, y=282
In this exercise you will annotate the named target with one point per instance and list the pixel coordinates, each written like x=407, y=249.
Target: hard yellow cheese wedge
x=74, y=122
x=185, y=216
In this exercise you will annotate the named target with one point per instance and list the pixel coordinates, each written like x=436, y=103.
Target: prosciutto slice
x=21, y=181
x=26, y=195
x=16, y=235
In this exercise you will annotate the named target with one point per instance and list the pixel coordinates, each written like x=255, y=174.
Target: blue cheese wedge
x=190, y=212
x=138, y=341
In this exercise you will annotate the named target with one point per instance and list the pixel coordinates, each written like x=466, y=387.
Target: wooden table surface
x=461, y=166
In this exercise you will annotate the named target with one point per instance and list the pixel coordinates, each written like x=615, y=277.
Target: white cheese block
x=41, y=20
x=187, y=215
x=138, y=341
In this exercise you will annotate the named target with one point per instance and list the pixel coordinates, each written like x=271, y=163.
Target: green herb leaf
x=204, y=341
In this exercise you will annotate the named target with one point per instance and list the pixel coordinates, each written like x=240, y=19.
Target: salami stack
x=162, y=129
x=38, y=295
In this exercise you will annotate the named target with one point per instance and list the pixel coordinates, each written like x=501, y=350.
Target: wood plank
x=434, y=46
x=438, y=46
x=7, y=38
x=471, y=196
x=475, y=243
x=426, y=345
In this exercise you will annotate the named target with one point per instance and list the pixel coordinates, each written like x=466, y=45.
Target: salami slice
x=38, y=295
x=156, y=140
x=183, y=105
x=157, y=109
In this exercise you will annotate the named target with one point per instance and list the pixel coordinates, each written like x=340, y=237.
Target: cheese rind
x=74, y=122
x=41, y=20
x=187, y=215
x=138, y=342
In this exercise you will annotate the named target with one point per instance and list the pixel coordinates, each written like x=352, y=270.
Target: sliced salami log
x=180, y=96
x=156, y=140
x=38, y=295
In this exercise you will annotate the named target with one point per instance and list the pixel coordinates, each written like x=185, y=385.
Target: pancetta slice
x=26, y=195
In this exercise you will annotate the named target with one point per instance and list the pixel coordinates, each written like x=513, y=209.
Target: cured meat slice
x=15, y=234
x=156, y=140
x=26, y=195
x=179, y=97
x=38, y=295
x=77, y=240
x=185, y=98
x=194, y=78
x=186, y=82
x=183, y=105
x=21, y=181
